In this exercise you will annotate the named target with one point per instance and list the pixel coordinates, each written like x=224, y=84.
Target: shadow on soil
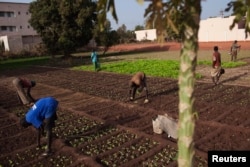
x=234, y=78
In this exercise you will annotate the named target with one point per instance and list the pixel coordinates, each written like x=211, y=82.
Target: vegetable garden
x=98, y=126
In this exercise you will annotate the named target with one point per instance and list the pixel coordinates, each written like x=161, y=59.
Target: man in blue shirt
x=95, y=60
x=42, y=115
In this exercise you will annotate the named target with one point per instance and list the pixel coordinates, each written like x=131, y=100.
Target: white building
x=217, y=29
x=15, y=30
x=149, y=34
x=211, y=30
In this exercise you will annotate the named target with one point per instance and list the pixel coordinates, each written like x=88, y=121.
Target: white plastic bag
x=156, y=126
x=167, y=124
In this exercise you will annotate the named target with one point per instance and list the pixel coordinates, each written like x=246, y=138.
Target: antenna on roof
x=222, y=13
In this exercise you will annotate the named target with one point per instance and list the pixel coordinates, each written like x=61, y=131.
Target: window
x=21, y=27
x=1, y=14
x=19, y=13
x=3, y=28
x=6, y=14
x=10, y=14
x=12, y=28
x=8, y=28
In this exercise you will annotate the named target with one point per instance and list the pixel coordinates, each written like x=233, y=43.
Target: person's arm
x=29, y=95
x=214, y=60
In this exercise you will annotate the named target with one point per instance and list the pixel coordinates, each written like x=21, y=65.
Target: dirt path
x=233, y=76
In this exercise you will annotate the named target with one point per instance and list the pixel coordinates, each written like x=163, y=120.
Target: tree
x=63, y=25
x=139, y=27
x=125, y=36
x=241, y=10
x=107, y=37
x=183, y=17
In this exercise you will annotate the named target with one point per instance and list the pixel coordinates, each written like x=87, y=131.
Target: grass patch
x=224, y=64
x=157, y=68
x=22, y=62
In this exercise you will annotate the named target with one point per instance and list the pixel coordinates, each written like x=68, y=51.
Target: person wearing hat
x=138, y=83
x=42, y=116
x=21, y=84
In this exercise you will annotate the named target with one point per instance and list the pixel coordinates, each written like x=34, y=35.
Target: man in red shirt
x=21, y=84
x=138, y=82
x=216, y=66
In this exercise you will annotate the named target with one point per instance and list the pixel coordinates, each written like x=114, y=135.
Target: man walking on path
x=234, y=51
x=216, y=66
x=95, y=60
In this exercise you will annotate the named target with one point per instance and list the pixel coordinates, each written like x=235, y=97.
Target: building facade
x=149, y=34
x=211, y=30
x=15, y=30
x=217, y=30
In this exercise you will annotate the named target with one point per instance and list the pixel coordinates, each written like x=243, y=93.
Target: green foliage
x=139, y=27
x=229, y=64
x=241, y=11
x=63, y=25
x=159, y=68
x=22, y=63
x=103, y=7
x=107, y=37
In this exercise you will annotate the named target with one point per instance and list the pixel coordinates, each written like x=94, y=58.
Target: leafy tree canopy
x=63, y=25
x=241, y=11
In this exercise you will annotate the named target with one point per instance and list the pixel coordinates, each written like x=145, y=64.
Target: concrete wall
x=4, y=39
x=15, y=30
x=217, y=29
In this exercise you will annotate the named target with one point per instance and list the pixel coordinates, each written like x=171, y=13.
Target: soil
x=98, y=126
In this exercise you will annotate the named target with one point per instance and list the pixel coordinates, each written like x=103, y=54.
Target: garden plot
x=97, y=126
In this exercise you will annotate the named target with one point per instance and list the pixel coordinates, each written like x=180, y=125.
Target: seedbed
x=22, y=156
x=164, y=157
x=237, y=140
x=202, y=130
x=236, y=117
x=17, y=141
x=212, y=112
x=129, y=152
x=98, y=97
x=90, y=136
x=10, y=129
x=74, y=127
x=141, y=121
x=113, y=141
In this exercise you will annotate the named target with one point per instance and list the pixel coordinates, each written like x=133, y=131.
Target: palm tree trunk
x=186, y=84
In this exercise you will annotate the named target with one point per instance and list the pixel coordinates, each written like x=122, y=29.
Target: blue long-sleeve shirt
x=42, y=109
x=94, y=57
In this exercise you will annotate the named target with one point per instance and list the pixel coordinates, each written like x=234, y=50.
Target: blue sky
x=130, y=13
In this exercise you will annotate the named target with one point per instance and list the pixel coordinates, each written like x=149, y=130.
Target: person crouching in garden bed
x=138, y=83
x=42, y=116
